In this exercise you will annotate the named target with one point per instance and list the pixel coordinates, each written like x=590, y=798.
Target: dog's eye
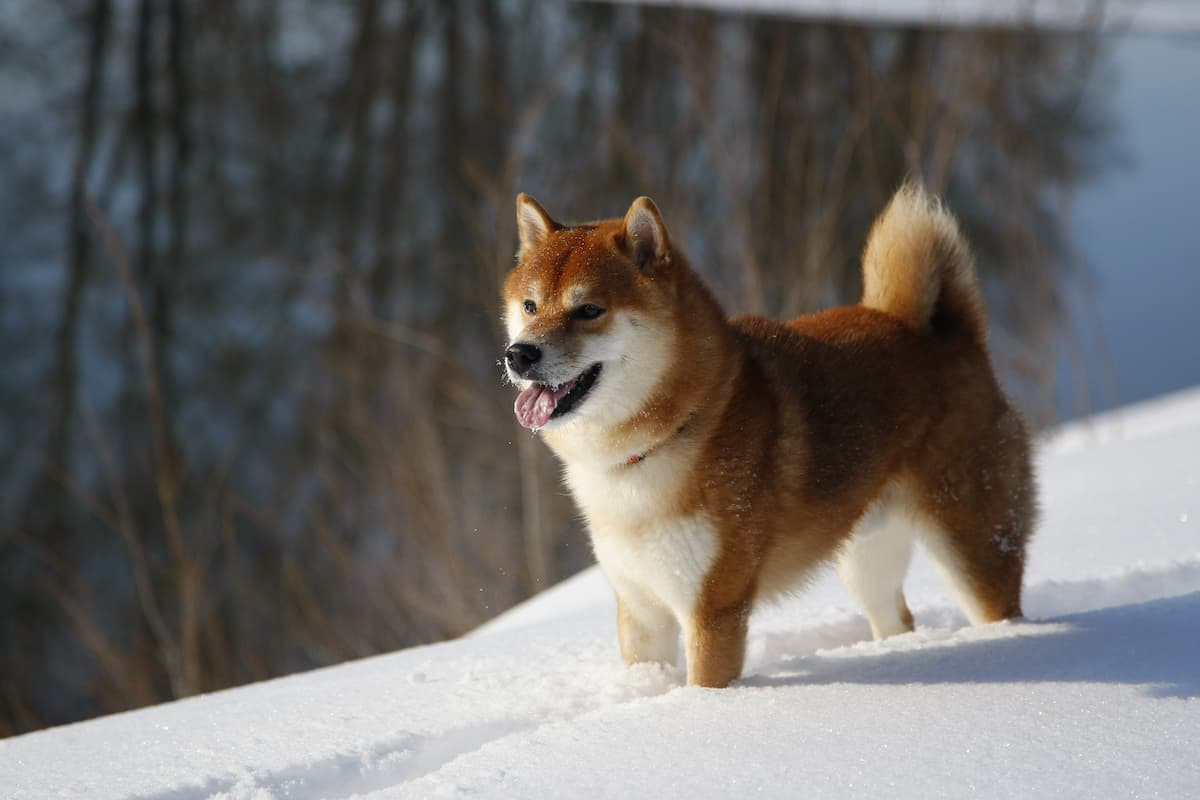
x=588, y=311
x=530, y=307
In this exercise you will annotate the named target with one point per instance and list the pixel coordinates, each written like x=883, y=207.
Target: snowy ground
x=1094, y=696
x=1167, y=16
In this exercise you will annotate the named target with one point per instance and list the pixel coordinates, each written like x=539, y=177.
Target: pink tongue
x=535, y=404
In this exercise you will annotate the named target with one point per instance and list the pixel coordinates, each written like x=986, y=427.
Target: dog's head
x=590, y=315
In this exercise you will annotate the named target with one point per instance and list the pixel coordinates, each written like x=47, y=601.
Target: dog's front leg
x=716, y=645
x=647, y=630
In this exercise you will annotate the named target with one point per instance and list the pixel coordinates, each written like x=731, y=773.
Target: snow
x=1163, y=16
x=1094, y=695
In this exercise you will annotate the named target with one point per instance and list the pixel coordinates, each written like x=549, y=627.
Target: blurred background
x=250, y=254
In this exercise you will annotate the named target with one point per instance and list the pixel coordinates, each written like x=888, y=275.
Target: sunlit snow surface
x=1169, y=16
x=1095, y=696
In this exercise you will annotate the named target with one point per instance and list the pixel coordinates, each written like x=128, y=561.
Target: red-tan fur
x=779, y=436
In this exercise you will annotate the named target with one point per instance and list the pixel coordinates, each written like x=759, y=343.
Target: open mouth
x=540, y=403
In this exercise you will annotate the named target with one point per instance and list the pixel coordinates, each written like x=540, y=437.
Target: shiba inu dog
x=719, y=461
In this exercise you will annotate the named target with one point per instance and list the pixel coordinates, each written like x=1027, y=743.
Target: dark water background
x=1139, y=228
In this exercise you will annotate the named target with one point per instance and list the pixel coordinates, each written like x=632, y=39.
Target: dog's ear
x=644, y=235
x=533, y=224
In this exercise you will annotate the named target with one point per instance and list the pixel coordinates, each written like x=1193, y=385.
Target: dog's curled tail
x=917, y=267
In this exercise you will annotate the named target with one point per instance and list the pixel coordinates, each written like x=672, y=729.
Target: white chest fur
x=648, y=552
x=664, y=562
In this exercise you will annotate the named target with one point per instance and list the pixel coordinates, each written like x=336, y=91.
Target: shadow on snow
x=1154, y=644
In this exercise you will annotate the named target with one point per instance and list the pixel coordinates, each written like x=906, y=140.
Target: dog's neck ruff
x=638, y=458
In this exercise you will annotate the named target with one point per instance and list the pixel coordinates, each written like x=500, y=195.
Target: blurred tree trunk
x=392, y=202
x=33, y=618
x=49, y=502
x=349, y=343
x=178, y=60
x=144, y=119
x=361, y=80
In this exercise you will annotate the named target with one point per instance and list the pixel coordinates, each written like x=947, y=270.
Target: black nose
x=521, y=357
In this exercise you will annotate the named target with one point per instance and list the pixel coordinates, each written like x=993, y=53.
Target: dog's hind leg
x=873, y=562
x=983, y=573
x=982, y=514
x=981, y=558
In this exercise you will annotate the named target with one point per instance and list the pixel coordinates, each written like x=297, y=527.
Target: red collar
x=638, y=458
